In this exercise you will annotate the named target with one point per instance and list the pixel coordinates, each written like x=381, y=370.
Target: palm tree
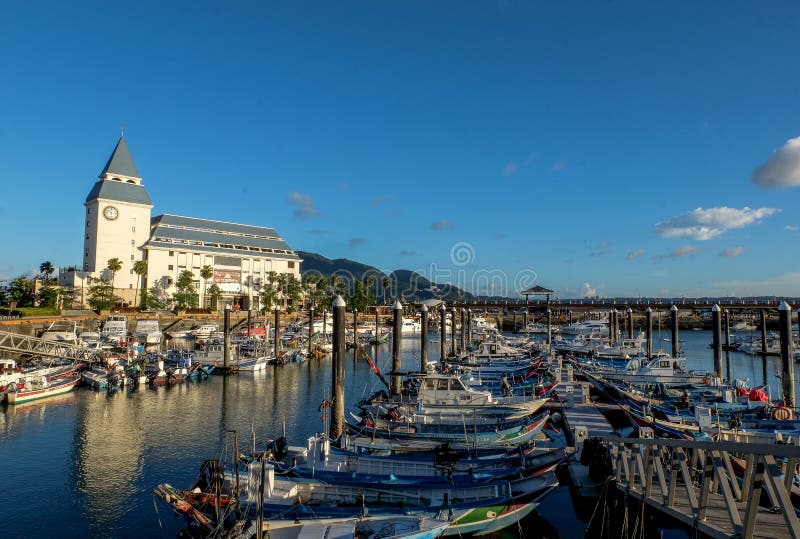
x=206, y=272
x=139, y=268
x=114, y=265
x=46, y=269
x=386, y=282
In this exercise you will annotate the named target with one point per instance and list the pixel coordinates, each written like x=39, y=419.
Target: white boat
x=383, y=527
x=147, y=331
x=535, y=327
x=203, y=332
x=115, y=328
x=411, y=325
x=321, y=325
x=42, y=387
x=88, y=337
x=597, y=327
x=63, y=332
x=480, y=322
x=743, y=326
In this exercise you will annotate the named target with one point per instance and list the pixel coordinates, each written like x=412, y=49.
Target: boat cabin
x=449, y=390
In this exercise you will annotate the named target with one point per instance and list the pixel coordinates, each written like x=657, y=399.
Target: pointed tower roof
x=120, y=163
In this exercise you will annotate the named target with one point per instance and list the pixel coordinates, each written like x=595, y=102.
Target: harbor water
x=84, y=464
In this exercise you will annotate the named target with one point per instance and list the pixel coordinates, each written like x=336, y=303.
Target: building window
x=131, y=272
x=86, y=253
x=170, y=267
x=131, y=257
x=133, y=229
x=133, y=242
x=88, y=211
x=290, y=265
x=87, y=224
x=87, y=236
x=172, y=253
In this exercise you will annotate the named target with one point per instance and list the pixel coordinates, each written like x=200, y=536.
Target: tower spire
x=120, y=163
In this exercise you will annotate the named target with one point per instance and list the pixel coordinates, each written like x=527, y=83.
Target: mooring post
x=549, y=327
x=569, y=315
x=612, y=327
x=453, y=329
x=377, y=332
x=525, y=320
x=249, y=324
x=764, y=331
x=277, y=331
x=648, y=313
x=397, y=337
x=423, y=334
x=310, y=329
x=443, y=333
x=339, y=351
x=469, y=325
x=630, y=323
x=324, y=323
x=355, y=333
x=514, y=321
x=676, y=349
x=463, y=329
x=716, y=339
x=226, y=341
x=787, y=358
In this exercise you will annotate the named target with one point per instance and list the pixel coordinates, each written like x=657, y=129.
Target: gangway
x=33, y=346
x=702, y=485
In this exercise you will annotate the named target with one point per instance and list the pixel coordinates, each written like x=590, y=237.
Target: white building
x=118, y=225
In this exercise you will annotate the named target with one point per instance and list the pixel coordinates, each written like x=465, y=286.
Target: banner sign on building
x=228, y=280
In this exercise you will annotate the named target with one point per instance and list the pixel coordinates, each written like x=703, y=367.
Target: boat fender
x=734, y=422
x=782, y=413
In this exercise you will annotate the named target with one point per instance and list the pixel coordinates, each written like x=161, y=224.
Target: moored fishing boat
x=42, y=388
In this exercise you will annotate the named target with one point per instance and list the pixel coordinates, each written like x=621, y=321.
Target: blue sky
x=573, y=143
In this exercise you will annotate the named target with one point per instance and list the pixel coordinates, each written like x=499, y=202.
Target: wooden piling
x=226, y=340
x=442, y=333
x=630, y=323
x=339, y=347
x=277, y=331
x=310, y=330
x=453, y=343
x=469, y=326
x=787, y=357
x=764, y=332
x=514, y=322
x=355, y=334
x=716, y=339
x=673, y=313
x=463, y=329
x=649, y=331
x=423, y=334
x=397, y=337
x=549, y=327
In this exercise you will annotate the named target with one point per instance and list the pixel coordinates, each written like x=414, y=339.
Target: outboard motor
x=278, y=449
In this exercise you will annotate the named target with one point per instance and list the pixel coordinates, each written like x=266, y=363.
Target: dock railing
x=36, y=347
x=714, y=487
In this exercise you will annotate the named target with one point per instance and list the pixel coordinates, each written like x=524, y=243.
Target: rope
x=158, y=516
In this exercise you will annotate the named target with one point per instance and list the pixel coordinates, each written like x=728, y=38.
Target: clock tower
x=117, y=220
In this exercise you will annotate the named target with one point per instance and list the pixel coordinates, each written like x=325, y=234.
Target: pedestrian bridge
x=26, y=346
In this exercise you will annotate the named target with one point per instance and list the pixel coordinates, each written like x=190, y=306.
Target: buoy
x=782, y=413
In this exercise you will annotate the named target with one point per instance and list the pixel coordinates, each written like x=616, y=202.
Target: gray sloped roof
x=122, y=191
x=536, y=290
x=153, y=244
x=121, y=161
x=209, y=224
x=189, y=233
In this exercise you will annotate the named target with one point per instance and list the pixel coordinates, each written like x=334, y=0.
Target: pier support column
x=442, y=333
x=673, y=313
x=787, y=356
x=423, y=354
x=463, y=329
x=630, y=323
x=355, y=334
x=339, y=350
x=277, y=331
x=397, y=338
x=324, y=322
x=716, y=339
x=648, y=328
x=549, y=327
x=377, y=333
x=525, y=320
x=514, y=319
x=310, y=330
x=764, y=332
x=469, y=326
x=226, y=341
x=453, y=343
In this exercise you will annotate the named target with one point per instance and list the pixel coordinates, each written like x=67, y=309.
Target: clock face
x=110, y=213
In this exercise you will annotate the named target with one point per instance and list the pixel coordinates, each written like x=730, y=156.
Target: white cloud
x=558, y=166
x=633, y=255
x=791, y=228
x=355, y=242
x=678, y=252
x=732, y=252
x=782, y=169
x=588, y=291
x=510, y=169
x=707, y=223
x=305, y=206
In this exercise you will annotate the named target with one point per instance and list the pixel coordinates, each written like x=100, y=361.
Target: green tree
x=186, y=296
x=101, y=294
x=139, y=268
x=114, y=265
x=21, y=291
x=46, y=269
x=214, y=293
x=386, y=282
x=48, y=296
x=361, y=297
x=155, y=298
x=206, y=272
x=268, y=297
x=294, y=292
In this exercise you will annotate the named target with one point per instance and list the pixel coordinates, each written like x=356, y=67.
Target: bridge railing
x=670, y=473
x=36, y=347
